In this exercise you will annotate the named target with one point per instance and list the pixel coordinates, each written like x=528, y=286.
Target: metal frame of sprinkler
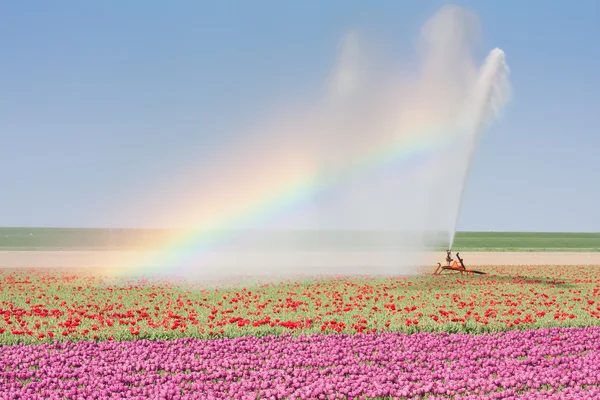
x=452, y=265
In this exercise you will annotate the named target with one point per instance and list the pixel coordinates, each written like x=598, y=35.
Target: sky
x=102, y=101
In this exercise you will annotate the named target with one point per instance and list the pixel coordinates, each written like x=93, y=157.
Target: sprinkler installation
x=452, y=265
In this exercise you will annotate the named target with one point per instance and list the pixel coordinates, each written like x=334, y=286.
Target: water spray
x=490, y=95
x=347, y=183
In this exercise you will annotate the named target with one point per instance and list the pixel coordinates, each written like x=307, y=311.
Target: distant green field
x=527, y=241
x=110, y=239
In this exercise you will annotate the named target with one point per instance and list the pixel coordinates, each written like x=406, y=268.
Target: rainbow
x=282, y=193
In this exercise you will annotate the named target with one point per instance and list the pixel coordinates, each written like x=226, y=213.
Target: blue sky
x=100, y=100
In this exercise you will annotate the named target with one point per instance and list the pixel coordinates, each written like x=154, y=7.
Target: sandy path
x=531, y=258
x=312, y=261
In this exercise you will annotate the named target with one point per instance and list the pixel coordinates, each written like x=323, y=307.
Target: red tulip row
x=37, y=306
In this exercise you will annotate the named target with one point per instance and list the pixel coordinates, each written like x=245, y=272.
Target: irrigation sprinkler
x=453, y=265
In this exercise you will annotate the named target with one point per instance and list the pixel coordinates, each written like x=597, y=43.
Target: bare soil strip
x=346, y=261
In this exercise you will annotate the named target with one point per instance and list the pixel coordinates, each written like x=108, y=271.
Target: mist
x=364, y=179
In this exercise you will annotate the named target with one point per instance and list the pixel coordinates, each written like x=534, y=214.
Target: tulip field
x=520, y=331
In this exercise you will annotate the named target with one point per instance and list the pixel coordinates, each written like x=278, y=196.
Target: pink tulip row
x=536, y=364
